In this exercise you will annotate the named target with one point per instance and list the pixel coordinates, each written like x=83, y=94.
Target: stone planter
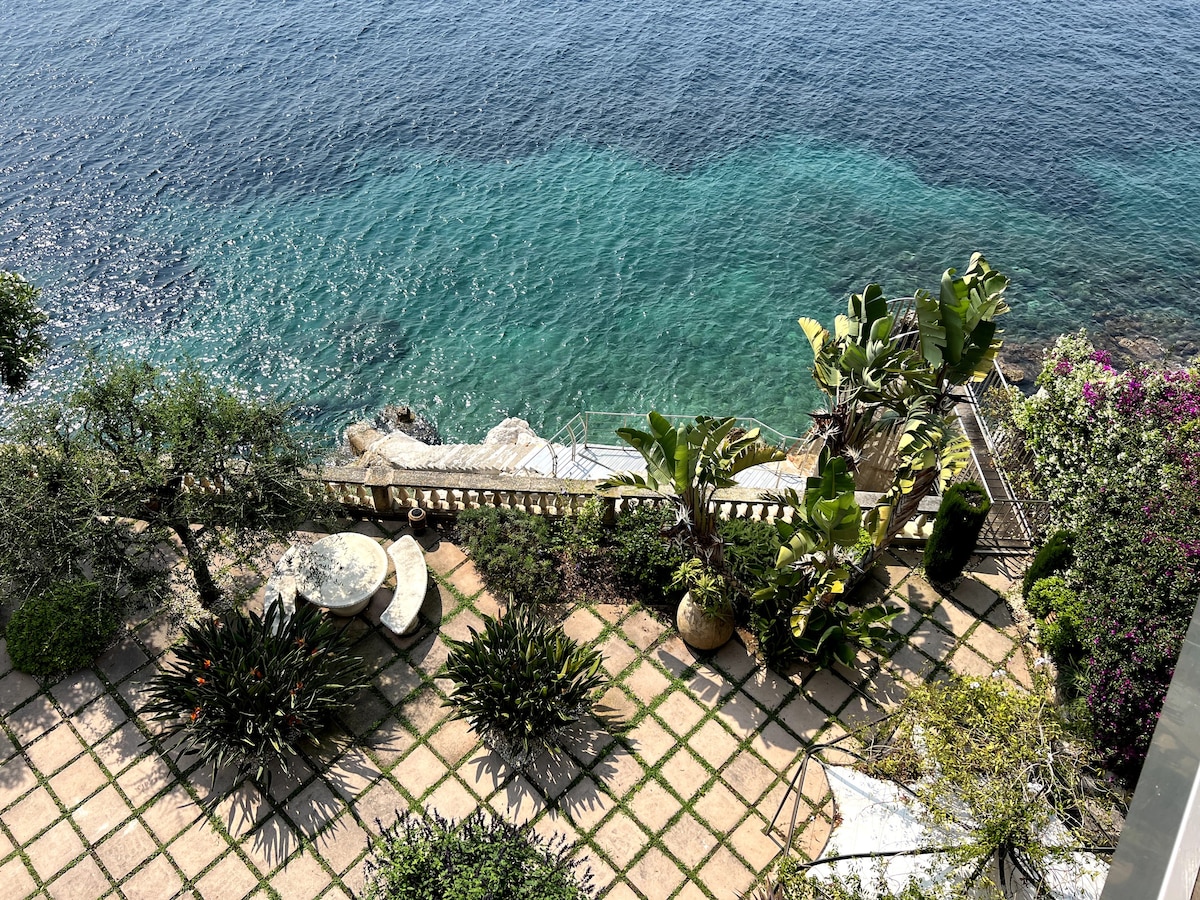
x=698, y=629
x=416, y=520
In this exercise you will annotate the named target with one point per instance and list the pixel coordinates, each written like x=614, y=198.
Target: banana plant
x=958, y=332
x=688, y=464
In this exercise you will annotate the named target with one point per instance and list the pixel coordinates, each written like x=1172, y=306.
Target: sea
x=520, y=208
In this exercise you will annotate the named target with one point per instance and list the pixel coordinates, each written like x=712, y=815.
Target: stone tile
x=933, y=641
x=585, y=804
x=909, y=664
x=919, y=592
x=519, y=801
x=7, y=747
x=888, y=571
x=617, y=654
x=684, y=774
x=270, y=844
x=16, y=878
x=158, y=635
x=97, y=719
x=615, y=707
x=389, y=742
x=709, y=688
x=582, y=626
x=76, y=690
x=452, y=799
x=689, y=841
x=376, y=652
x=196, y=848
x=654, y=874
x=589, y=740
x=1000, y=573
x=157, y=880
x=83, y=881
x=379, y=807
x=812, y=840
x=54, y=749
x=421, y=770
x=454, y=741
x=54, y=849
x=742, y=715
x=642, y=629
x=119, y=750
x=424, y=711
x=355, y=879
x=827, y=690
x=553, y=774
x=301, y=879
x=15, y=689
x=1018, y=670
x=314, y=808
x=720, y=808
x=444, y=558
x=5, y=659
x=777, y=747
x=483, y=772
x=244, y=807
x=907, y=617
x=990, y=643
x=646, y=683
x=860, y=711
x=101, y=814
x=620, y=890
x=802, y=718
x=33, y=719
x=77, y=781
x=31, y=815
x=953, y=618
x=724, y=874
x=976, y=597
x=341, y=844
x=966, y=661
x=467, y=580
x=679, y=712
x=651, y=741
x=430, y=655
x=462, y=625
x=352, y=773
x=653, y=806
x=145, y=779
x=619, y=772
x=368, y=710
x=621, y=839
x=767, y=689
x=127, y=849
x=748, y=777
x=674, y=656
x=610, y=612
x=229, y=879
x=121, y=659
x=487, y=605
x=398, y=681
x=171, y=814
x=735, y=660
x=691, y=892
x=713, y=744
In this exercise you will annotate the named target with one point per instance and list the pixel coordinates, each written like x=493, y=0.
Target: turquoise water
x=532, y=210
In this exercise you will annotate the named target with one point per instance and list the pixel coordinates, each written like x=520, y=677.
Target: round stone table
x=341, y=572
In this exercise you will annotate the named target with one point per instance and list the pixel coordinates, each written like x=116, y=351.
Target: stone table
x=341, y=572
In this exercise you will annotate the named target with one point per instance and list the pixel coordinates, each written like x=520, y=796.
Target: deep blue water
x=530, y=209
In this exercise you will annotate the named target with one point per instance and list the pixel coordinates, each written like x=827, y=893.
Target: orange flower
x=300, y=642
x=208, y=664
x=200, y=679
x=256, y=672
x=196, y=713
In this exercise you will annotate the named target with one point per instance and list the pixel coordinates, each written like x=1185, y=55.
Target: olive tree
x=22, y=337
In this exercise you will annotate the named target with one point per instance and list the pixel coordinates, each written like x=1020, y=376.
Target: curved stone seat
x=281, y=591
x=412, y=578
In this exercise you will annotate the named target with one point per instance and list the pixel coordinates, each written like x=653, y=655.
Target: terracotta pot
x=700, y=630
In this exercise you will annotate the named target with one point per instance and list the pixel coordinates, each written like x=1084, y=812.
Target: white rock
x=512, y=431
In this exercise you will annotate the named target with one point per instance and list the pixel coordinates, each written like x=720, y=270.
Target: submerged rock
x=396, y=418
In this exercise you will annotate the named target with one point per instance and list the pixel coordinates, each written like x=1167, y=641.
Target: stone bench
x=412, y=579
x=281, y=589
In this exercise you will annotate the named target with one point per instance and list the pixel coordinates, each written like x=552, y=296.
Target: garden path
x=668, y=790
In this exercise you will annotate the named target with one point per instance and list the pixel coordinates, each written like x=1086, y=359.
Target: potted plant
x=705, y=614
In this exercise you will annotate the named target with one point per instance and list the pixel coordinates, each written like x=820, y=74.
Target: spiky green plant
x=243, y=696
x=522, y=683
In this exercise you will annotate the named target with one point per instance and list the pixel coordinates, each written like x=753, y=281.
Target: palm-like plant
x=688, y=464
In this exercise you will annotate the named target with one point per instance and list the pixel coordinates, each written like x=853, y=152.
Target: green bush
x=581, y=536
x=430, y=858
x=246, y=697
x=1054, y=556
x=751, y=549
x=1051, y=599
x=522, y=683
x=642, y=557
x=797, y=883
x=514, y=553
x=956, y=530
x=62, y=629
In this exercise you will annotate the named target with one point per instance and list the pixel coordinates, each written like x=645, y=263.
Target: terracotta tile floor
x=668, y=794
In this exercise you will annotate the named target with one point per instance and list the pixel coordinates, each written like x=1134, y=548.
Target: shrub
x=956, y=530
x=1047, y=595
x=642, y=557
x=522, y=683
x=430, y=858
x=513, y=551
x=751, y=549
x=582, y=535
x=243, y=696
x=798, y=884
x=61, y=629
x=1054, y=556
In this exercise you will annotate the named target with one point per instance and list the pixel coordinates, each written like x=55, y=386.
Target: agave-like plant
x=522, y=683
x=688, y=464
x=246, y=691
